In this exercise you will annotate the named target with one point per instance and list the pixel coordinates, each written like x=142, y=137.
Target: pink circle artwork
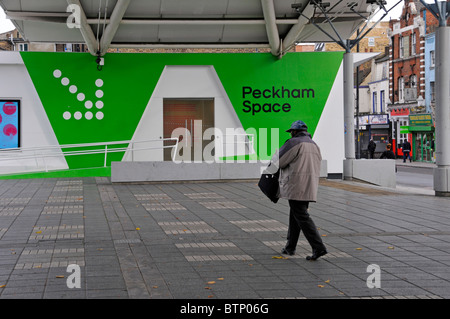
x=10, y=130
x=9, y=108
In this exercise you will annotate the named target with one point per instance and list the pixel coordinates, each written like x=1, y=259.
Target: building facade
x=406, y=72
x=412, y=80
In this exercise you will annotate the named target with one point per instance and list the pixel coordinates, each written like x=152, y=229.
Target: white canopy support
x=271, y=26
x=294, y=33
x=114, y=22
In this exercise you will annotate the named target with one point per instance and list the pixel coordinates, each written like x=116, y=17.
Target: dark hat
x=298, y=125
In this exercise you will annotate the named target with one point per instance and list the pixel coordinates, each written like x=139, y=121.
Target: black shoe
x=287, y=252
x=317, y=254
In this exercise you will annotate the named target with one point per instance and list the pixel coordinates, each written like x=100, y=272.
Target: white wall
x=329, y=134
x=182, y=82
x=35, y=129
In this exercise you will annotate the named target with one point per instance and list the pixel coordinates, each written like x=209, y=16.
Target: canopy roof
x=104, y=24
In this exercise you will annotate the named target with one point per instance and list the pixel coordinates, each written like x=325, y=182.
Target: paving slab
x=217, y=240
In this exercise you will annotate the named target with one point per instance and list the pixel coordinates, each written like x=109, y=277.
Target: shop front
x=422, y=129
x=377, y=128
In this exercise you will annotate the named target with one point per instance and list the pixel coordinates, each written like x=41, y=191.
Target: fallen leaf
x=137, y=228
x=155, y=287
x=209, y=288
x=2, y=286
x=278, y=257
x=210, y=296
x=211, y=282
x=219, y=278
x=324, y=235
x=39, y=232
x=358, y=248
x=327, y=281
x=390, y=247
x=320, y=286
x=59, y=276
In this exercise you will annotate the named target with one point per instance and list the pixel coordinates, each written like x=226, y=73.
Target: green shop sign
x=420, y=120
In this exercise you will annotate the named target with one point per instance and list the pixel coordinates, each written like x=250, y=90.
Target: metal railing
x=58, y=151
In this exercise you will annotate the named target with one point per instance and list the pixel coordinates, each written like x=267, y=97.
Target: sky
x=6, y=25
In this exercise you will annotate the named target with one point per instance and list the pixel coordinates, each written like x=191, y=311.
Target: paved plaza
x=217, y=240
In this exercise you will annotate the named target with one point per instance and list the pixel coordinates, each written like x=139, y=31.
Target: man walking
x=406, y=148
x=371, y=148
x=299, y=162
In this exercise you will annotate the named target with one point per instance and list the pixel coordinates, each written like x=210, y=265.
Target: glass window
x=9, y=124
x=433, y=91
x=374, y=102
x=401, y=87
x=23, y=47
x=401, y=47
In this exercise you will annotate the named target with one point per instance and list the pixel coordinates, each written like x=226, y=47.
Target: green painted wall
x=128, y=80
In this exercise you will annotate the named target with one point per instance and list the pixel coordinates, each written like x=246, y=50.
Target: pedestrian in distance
x=406, y=148
x=388, y=153
x=299, y=162
x=371, y=148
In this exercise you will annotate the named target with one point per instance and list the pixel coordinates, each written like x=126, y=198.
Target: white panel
x=329, y=134
x=35, y=128
x=182, y=82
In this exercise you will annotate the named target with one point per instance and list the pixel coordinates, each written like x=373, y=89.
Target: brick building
x=407, y=73
x=406, y=70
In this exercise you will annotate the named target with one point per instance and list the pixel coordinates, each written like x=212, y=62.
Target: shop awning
x=411, y=129
x=105, y=24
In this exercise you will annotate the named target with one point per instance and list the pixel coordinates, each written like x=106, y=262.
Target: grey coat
x=299, y=162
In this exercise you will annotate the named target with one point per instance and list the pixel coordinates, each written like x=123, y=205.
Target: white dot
x=99, y=83
x=65, y=81
x=88, y=104
x=57, y=74
x=99, y=94
x=73, y=89
x=78, y=115
x=67, y=115
x=99, y=104
x=88, y=115
x=99, y=115
x=80, y=97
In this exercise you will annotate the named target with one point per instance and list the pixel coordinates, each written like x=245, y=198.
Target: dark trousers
x=406, y=155
x=299, y=220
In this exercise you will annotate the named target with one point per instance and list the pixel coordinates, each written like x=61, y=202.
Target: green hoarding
x=85, y=105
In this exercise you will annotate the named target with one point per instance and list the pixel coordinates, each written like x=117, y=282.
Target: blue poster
x=9, y=124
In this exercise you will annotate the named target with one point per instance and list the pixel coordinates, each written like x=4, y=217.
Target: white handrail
x=42, y=152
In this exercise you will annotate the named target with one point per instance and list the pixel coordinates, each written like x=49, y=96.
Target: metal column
x=442, y=172
x=349, y=109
